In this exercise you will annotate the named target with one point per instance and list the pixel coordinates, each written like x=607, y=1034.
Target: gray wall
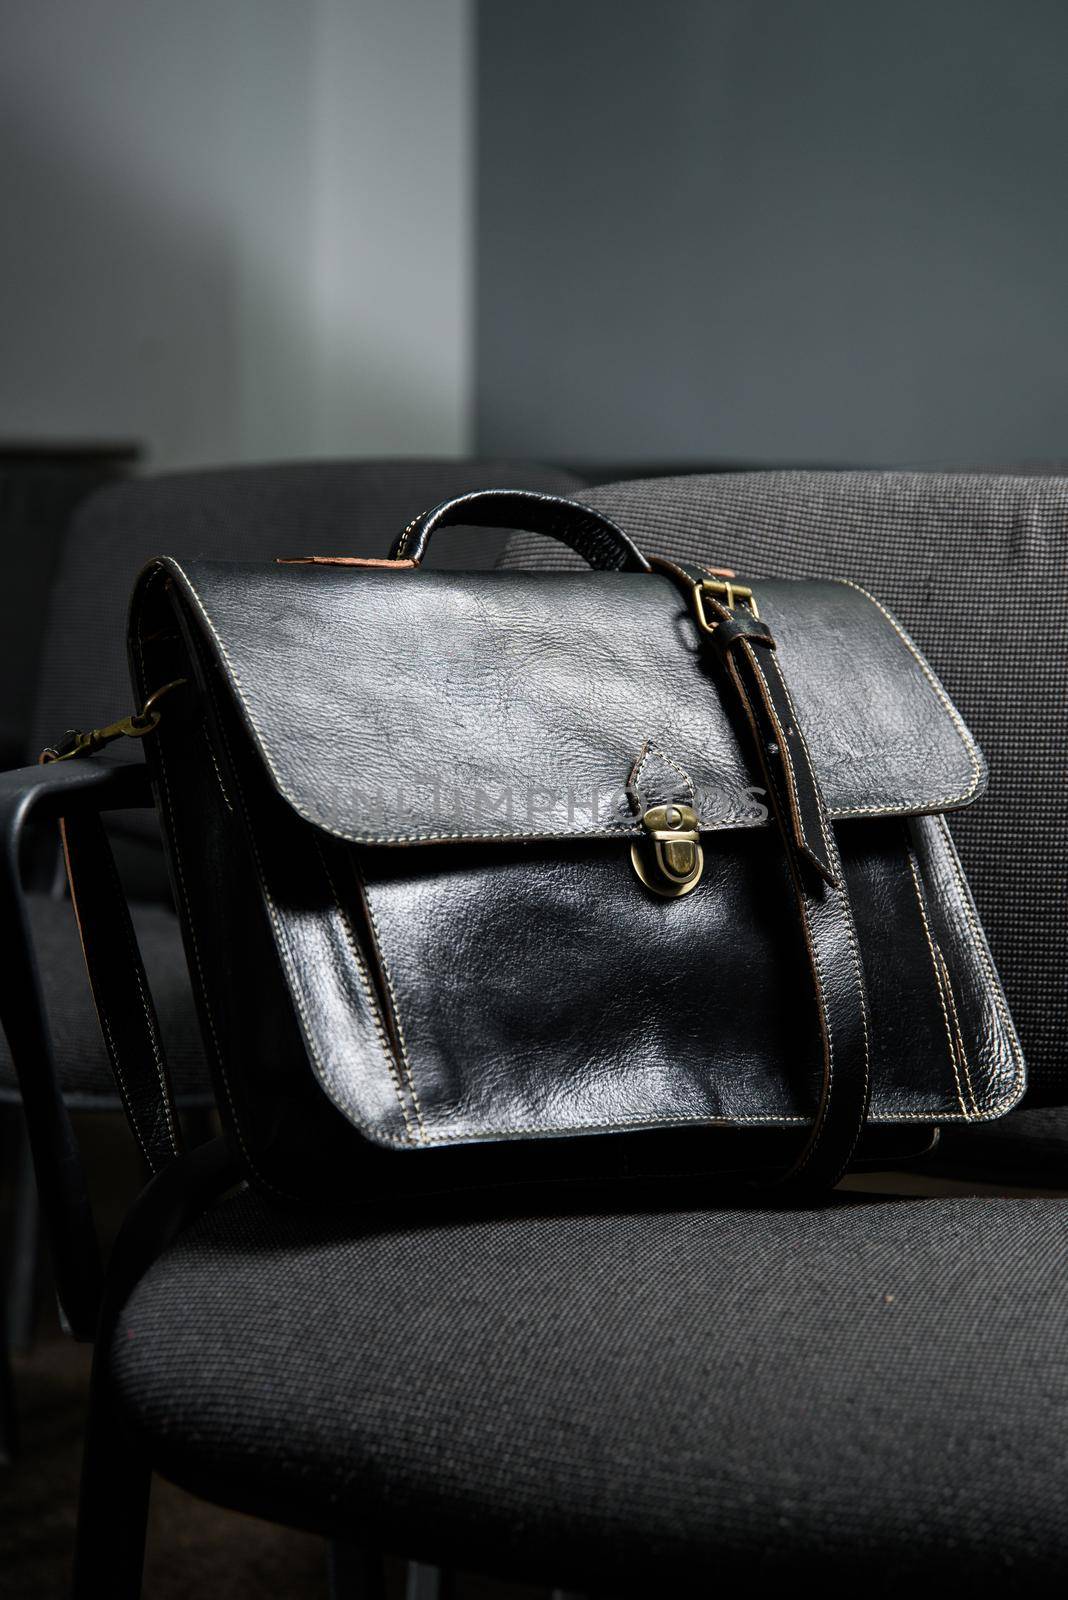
x=772, y=230
x=236, y=229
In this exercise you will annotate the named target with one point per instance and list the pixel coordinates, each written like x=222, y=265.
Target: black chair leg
x=354, y=1574
x=109, y=1551
x=25, y=1241
x=8, y=1418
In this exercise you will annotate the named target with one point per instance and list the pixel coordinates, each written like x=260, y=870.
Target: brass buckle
x=669, y=861
x=724, y=589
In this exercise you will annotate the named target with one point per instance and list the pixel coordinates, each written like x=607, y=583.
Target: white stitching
x=124, y=1087
x=937, y=975
x=395, y=1004
x=793, y=793
x=283, y=948
x=190, y=930
x=820, y=808
x=965, y=1071
x=219, y=1055
x=626, y=825
x=387, y=1049
x=834, y=861
x=136, y=962
x=980, y=946
x=650, y=749
x=215, y=764
x=607, y=832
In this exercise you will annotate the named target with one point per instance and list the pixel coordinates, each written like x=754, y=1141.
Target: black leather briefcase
x=496, y=876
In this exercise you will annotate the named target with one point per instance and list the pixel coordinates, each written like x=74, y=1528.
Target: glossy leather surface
x=420, y=706
x=529, y=989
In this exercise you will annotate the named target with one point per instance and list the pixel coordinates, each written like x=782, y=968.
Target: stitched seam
x=605, y=831
x=979, y=942
x=851, y=934
x=153, y=1039
x=811, y=765
x=937, y=975
x=627, y=825
x=431, y=1137
x=828, y=1041
x=947, y=704
x=650, y=749
x=884, y=1118
x=630, y=1122
x=208, y=1011
x=124, y=1088
x=387, y=1048
x=434, y=1138
x=402, y=542
x=834, y=861
x=184, y=891
x=282, y=945
x=394, y=1003
x=105, y=1023
x=965, y=1073
x=792, y=789
x=215, y=764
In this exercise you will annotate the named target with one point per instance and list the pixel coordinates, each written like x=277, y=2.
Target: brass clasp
x=669, y=861
x=75, y=743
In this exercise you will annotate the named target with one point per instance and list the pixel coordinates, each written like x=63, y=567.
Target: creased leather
x=424, y=706
x=511, y=994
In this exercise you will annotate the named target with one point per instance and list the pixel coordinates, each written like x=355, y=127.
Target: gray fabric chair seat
x=860, y=1395
x=84, y=1069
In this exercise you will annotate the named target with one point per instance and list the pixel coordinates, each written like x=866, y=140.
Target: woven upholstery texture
x=976, y=567
x=870, y=1392
x=84, y=1069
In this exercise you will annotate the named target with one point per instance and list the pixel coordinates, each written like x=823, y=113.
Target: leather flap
x=406, y=707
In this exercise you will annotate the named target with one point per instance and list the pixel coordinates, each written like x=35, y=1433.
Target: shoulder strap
x=120, y=989
x=747, y=655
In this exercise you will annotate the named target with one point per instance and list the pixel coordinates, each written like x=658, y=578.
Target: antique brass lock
x=669, y=860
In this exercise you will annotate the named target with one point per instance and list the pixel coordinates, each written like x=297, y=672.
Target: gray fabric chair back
x=976, y=567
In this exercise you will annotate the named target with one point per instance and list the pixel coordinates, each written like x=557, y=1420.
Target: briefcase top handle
x=593, y=536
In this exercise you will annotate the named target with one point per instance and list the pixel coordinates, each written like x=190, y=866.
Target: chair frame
x=116, y=1470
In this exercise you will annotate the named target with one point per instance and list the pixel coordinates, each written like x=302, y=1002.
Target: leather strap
x=590, y=534
x=120, y=989
x=746, y=651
